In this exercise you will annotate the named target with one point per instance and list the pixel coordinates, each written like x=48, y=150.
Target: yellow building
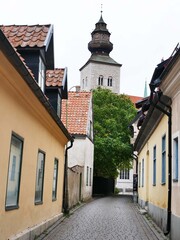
x=32, y=144
x=157, y=145
x=152, y=168
x=170, y=85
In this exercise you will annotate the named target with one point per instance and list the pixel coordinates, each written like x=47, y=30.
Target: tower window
x=109, y=83
x=100, y=80
x=83, y=84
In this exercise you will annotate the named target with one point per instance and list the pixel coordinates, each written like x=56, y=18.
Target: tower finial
x=101, y=8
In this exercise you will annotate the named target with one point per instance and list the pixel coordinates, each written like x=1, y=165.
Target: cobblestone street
x=108, y=218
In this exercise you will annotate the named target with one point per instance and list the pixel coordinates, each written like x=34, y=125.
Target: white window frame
x=124, y=174
x=163, y=178
x=40, y=177
x=87, y=176
x=109, y=81
x=41, y=77
x=100, y=80
x=14, y=173
x=142, y=184
x=176, y=157
x=55, y=179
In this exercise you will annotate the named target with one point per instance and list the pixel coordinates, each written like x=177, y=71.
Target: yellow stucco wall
x=156, y=195
x=22, y=113
x=175, y=134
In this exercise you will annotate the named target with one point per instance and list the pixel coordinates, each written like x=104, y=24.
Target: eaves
x=150, y=123
x=11, y=54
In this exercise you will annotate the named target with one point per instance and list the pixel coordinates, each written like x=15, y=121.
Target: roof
x=54, y=78
x=134, y=99
x=26, y=35
x=77, y=107
x=100, y=58
x=21, y=68
x=151, y=120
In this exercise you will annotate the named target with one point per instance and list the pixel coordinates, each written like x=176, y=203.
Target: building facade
x=32, y=144
x=157, y=146
x=100, y=70
x=77, y=115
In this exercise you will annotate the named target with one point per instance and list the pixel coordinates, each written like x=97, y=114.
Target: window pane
x=87, y=176
x=41, y=81
x=176, y=159
x=14, y=172
x=55, y=177
x=139, y=174
x=39, y=177
x=90, y=176
x=143, y=173
x=163, y=159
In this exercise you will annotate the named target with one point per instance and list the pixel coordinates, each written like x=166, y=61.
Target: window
x=154, y=166
x=90, y=173
x=55, y=178
x=143, y=173
x=83, y=84
x=41, y=80
x=14, y=172
x=100, y=80
x=176, y=159
x=124, y=174
x=139, y=174
x=40, y=177
x=86, y=82
x=163, y=180
x=87, y=176
x=109, y=83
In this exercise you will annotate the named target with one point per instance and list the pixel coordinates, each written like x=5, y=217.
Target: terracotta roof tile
x=77, y=107
x=134, y=99
x=26, y=35
x=54, y=77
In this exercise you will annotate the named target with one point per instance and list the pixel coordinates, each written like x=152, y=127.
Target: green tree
x=112, y=114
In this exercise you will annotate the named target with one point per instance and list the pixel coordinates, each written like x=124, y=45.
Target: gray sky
x=142, y=32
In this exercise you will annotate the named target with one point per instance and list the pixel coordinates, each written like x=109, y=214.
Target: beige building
x=32, y=143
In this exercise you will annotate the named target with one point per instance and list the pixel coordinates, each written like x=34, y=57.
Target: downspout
x=135, y=193
x=169, y=114
x=65, y=188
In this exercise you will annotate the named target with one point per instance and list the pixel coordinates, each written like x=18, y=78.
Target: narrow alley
x=108, y=218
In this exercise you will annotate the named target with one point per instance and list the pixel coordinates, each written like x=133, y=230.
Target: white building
x=100, y=70
x=79, y=122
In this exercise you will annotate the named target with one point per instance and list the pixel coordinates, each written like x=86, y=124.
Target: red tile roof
x=77, y=107
x=26, y=35
x=54, y=77
x=134, y=99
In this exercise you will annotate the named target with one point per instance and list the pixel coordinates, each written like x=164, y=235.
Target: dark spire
x=100, y=43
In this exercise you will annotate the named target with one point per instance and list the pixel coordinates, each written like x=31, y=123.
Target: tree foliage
x=112, y=114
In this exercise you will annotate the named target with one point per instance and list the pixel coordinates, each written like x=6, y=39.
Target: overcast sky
x=142, y=32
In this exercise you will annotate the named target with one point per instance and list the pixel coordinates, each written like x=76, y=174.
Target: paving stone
x=108, y=218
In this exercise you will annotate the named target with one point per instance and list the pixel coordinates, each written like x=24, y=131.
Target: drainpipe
x=65, y=188
x=135, y=193
x=169, y=114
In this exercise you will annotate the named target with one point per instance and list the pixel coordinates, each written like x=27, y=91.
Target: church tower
x=100, y=70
